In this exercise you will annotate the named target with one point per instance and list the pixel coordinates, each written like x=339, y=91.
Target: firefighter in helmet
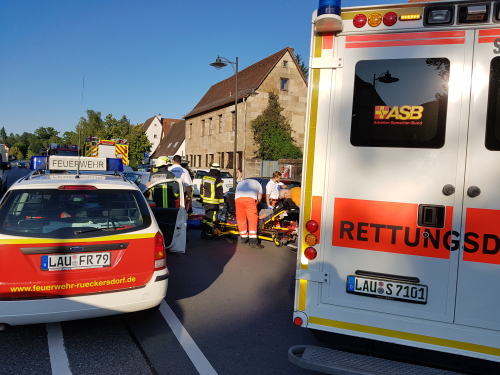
x=212, y=194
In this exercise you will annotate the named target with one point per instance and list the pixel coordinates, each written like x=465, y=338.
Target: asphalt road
x=228, y=310
x=15, y=174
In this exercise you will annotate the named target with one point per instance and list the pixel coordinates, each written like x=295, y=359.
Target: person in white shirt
x=182, y=174
x=272, y=189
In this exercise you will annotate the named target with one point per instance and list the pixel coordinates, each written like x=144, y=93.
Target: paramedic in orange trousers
x=247, y=196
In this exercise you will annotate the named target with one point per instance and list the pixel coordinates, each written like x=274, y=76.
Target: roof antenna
x=80, y=131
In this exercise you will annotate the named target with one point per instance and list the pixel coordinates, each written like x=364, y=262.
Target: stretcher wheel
x=278, y=242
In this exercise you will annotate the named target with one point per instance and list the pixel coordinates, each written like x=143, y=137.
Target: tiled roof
x=167, y=123
x=222, y=93
x=148, y=122
x=171, y=142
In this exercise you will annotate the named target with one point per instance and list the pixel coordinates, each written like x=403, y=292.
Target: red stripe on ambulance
x=406, y=39
x=482, y=236
x=390, y=227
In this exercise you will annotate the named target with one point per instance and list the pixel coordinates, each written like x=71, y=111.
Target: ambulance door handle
x=473, y=191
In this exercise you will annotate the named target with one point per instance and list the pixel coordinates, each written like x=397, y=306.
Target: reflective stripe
x=253, y=236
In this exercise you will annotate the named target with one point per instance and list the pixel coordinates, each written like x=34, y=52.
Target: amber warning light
x=410, y=17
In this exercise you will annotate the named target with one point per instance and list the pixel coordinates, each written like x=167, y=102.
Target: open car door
x=166, y=200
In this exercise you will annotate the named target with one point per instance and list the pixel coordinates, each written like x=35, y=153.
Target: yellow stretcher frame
x=268, y=231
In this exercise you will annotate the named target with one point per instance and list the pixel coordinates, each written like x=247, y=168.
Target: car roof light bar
x=70, y=163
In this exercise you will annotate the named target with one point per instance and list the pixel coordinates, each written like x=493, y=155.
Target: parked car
x=22, y=164
x=144, y=168
x=227, y=179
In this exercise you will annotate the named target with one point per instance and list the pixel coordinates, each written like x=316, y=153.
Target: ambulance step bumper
x=336, y=362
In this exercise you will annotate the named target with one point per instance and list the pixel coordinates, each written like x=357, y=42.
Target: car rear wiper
x=96, y=229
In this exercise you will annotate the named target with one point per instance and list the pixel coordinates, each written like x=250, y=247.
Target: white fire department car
x=401, y=192
x=81, y=244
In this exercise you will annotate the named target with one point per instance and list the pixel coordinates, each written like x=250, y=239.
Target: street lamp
x=219, y=63
x=385, y=77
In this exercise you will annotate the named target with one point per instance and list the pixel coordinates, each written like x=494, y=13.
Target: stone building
x=210, y=125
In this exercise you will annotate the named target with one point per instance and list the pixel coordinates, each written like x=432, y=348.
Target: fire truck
x=399, y=251
x=114, y=148
x=60, y=150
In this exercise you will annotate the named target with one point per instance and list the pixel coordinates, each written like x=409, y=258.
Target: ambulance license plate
x=387, y=289
x=75, y=261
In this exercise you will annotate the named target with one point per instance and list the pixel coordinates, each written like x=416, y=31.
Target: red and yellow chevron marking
x=121, y=151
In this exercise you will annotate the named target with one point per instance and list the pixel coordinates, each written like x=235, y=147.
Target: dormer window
x=285, y=64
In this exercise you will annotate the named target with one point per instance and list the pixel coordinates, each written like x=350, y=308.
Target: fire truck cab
x=401, y=202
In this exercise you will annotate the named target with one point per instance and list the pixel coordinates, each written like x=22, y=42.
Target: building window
x=233, y=118
x=220, y=123
x=211, y=125
x=155, y=136
x=202, y=128
x=190, y=130
x=285, y=64
x=284, y=84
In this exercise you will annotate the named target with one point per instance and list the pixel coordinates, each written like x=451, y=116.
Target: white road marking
x=58, y=358
x=194, y=353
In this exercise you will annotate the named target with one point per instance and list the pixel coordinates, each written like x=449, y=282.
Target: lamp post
x=219, y=63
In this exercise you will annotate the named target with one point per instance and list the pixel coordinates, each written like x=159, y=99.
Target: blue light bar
x=329, y=7
x=115, y=165
x=38, y=163
x=73, y=163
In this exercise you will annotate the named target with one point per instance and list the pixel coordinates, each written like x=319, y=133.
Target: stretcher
x=280, y=226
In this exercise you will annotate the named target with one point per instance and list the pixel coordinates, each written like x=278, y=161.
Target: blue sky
x=139, y=57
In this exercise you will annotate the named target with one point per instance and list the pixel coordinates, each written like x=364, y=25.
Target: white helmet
x=215, y=166
x=161, y=161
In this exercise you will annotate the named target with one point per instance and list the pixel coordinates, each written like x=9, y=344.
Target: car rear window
x=53, y=213
x=226, y=175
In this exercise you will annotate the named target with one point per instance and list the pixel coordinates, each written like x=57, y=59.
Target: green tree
x=16, y=153
x=273, y=133
x=302, y=65
x=3, y=135
x=93, y=126
x=138, y=144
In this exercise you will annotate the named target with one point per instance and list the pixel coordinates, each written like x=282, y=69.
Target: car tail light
x=160, y=254
x=77, y=187
x=359, y=20
x=312, y=226
x=375, y=19
x=311, y=239
x=310, y=253
x=390, y=18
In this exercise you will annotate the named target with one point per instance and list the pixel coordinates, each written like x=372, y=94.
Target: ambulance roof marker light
x=328, y=16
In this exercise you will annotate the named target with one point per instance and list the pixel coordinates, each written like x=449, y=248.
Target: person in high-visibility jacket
x=212, y=194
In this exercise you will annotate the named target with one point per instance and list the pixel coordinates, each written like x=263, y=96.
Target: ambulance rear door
x=478, y=293
x=397, y=173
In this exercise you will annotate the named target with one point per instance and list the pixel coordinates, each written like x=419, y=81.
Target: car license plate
x=75, y=261
x=387, y=289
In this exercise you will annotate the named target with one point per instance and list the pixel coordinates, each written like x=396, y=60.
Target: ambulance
x=80, y=240
x=400, y=240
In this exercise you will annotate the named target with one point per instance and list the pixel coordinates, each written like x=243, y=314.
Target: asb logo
x=405, y=112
